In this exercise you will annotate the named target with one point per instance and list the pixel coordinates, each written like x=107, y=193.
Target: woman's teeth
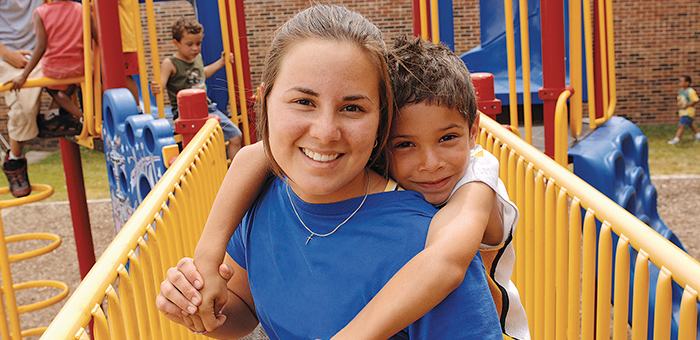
x=320, y=157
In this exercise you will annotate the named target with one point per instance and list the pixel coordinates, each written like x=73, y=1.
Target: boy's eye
x=447, y=137
x=402, y=145
x=352, y=108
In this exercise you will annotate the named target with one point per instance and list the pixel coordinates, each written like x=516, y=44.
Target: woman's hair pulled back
x=335, y=23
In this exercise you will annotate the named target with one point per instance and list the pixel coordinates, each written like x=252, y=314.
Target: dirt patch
x=678, y=206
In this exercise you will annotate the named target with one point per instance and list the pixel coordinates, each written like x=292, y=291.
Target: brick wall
x=654, y=44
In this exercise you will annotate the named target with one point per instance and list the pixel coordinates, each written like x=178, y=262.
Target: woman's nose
x=325, y=127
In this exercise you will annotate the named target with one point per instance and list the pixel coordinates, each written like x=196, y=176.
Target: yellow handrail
x=594, y=278
x=163, y=228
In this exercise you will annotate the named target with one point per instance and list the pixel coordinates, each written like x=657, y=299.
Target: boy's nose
x=431, y=162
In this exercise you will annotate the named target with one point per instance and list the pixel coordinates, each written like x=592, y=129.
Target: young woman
x=325, y=235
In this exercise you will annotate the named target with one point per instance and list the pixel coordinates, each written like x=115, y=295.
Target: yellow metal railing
x=565, y=290
x=164, y=228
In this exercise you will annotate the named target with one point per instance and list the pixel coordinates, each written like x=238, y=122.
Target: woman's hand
x=179, y=295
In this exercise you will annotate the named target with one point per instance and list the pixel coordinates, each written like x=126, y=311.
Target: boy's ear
x=474, y=131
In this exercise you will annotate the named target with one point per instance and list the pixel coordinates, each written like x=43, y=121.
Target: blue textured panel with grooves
x=133, y=146
x=614, y=160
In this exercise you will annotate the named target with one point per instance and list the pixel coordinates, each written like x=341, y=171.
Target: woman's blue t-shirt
x=309, y=291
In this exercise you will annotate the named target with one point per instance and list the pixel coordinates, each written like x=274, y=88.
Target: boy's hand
x=155, y=88
x=214, y=296
x=17, y=82
x=230, y=57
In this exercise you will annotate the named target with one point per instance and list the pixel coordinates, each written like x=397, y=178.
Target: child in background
x=59, y=31
x=687, y=98
x=185, y=70
x=431, y=84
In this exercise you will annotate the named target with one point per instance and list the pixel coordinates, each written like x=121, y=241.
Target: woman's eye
x=304, y=102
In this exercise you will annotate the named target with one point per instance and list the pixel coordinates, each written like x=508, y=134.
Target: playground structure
x=553, y=272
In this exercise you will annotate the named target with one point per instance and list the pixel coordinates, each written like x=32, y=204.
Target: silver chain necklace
x=339, y=225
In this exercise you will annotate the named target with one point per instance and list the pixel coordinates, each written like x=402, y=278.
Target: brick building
x=654, y=44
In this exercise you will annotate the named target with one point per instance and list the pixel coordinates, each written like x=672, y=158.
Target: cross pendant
x=308, y=239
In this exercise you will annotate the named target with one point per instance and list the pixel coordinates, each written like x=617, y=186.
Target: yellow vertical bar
x=590, y=70
x=640, y=298
x=575, y=67
x=100, y=326
x=519, y=275
x=511, y=183
x=136, y=272
x=549, y=269
x=530, y=241
x=588, y=282
x=155, y=57
x=662, y=312
x=562, y=259
x=525, y=60
x=574, y=314
x=88, y=112
x=622, y=288
x=126, y=294
x=688, y=323
x=149, y=287
x=143, y=72
x=503, y=159
x=227, y=62
x=539, y=236
x=604, y=282
x=116, y=317
x=424, y=19
x=610, y=32
x=8, y=290
x=510, y=49
x=243, y=118
x=604, y=55
x=435, y=21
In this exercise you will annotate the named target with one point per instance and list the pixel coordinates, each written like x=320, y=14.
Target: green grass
x=50, y=171
x=664, y=159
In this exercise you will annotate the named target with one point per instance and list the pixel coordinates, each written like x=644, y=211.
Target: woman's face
x=323, y=115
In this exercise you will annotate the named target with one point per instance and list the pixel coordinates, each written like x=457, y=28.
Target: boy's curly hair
x=183, y=25
x=422, y=71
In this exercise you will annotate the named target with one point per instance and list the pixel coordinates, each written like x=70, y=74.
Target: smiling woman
x=323, y=120
x=325, y=111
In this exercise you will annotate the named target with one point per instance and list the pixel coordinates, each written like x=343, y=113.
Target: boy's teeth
x=320, y=157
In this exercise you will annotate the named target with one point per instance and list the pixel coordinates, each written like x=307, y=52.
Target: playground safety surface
x=678, y=206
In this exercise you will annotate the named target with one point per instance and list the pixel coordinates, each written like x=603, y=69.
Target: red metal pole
x=110, y=39
x=72, y=168
x=416, y=18
x=553, y=65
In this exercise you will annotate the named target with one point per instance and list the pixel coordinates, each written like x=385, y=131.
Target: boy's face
x=190, y=45
x=430, y=146
x=682, y=82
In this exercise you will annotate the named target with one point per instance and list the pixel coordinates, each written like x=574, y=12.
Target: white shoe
x=674, y=141
x=697, y=137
